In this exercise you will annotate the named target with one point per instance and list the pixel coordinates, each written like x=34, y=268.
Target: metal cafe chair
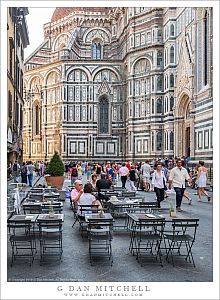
x=56, y=207
x=100, y=238
x=51, y=243
x=182, y=239
x=84, y=209
x=34, y=197
x=31, y=208
x=22, y=240
x=148, y=240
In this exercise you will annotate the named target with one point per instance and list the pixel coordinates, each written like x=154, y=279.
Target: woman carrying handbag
x=159, y=183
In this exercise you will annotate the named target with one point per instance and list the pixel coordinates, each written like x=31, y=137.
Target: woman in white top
x=158, y=183
x=87, y=199
x=202, y=178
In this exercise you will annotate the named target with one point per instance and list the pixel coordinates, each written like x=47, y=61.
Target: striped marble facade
x=121, y=84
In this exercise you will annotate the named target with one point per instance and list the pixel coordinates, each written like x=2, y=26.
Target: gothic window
x=171, y=30
x=159, y=105
x=159, y=35
x=171, y=140
x=152, y=106
x=165, y=56
x=171, y=103
x=103, y=115
x=171, y=54
x=36, y=119
x=142, y=66
x=171, y=80
x=159, y=59
x=160, y=83
x=159, y=141
x=152, y=141
x=206, y=48
x=96, y=50
x=152, y=84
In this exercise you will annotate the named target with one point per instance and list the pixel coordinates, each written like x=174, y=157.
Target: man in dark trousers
x=102, y=183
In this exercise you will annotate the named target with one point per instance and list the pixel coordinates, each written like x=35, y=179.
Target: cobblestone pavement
x=76, y=267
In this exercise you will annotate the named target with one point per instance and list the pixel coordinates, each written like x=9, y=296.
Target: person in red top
x=128, y=165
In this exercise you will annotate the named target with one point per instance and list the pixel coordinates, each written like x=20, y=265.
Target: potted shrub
x=55, y=171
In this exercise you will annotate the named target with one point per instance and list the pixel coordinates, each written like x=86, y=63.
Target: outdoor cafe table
x=141, y=217
x=51, y=195
x=49, y=218
x=23, y=218
x=96, y=217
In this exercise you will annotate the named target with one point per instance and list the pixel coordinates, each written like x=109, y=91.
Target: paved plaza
x=75, y=265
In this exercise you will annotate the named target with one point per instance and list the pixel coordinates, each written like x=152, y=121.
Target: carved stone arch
x=31, y=79
x=181, y=104
x=105, y=38
x=81, y=68
x=48, y=74
x=58, y=37
x=184, y=126
x=112, y=69
x=148, y=57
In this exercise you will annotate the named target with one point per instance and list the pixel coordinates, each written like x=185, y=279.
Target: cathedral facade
x=121, y=84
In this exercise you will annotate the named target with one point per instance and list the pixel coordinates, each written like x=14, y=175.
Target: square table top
x=52, y=194
x=27, y=203
x=124, y=202
x=47, y=217
x=96, y=217
x=138, y=217
x=22, y=218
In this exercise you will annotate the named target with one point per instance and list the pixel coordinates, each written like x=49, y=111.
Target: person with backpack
x=24, y=173
x=16, y=171
x=74, y=174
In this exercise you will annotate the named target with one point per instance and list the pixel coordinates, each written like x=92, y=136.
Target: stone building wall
x=119, y=83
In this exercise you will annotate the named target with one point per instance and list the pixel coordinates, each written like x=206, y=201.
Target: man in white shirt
x=178, y=177
x=145, y=170
x=124, y=172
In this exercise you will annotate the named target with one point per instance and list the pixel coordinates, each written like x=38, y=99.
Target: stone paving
x=75, y=265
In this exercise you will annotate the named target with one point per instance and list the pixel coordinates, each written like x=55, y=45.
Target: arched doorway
x=184, y=126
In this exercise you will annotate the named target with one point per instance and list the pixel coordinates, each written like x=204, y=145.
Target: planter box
x=55, y=181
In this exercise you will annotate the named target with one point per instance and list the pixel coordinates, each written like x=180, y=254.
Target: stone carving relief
x=61, y=42
x=97, y=34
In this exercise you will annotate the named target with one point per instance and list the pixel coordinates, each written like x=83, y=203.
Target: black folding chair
x=182, y=238
x=100, y=238
x=81, y=211
x=56, y=208
x=31, y=208
x=51, y=243
x=22, y=240
x=149, y=241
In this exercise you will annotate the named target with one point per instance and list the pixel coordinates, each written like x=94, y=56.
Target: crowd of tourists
x=26, y=171
x=159, y=176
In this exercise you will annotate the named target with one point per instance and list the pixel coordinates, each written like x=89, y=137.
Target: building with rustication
x=17, y=40
x=121, y=84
